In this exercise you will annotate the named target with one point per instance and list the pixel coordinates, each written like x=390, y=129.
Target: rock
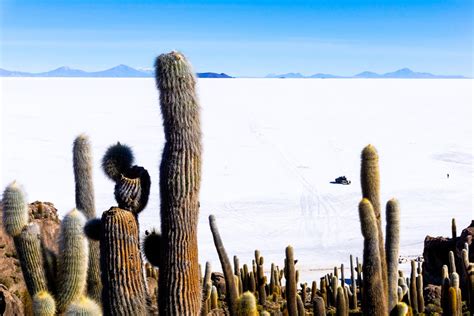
x=436, y=254
x=218, y=281
x=10, y=304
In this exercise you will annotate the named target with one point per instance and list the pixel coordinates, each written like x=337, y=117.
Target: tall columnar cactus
x=85, y=202
x=453, y=228
x=73, y=260
x=290, y=276
x=341, y=306
x=353, y=299
x=44, y=304
x=15, y=210
x=180, y=178
x=392, y=243
x=370, y=183
x=121, y=264
x=231, y=290
x=373, y=300
x=413, y=295
x=319, y=307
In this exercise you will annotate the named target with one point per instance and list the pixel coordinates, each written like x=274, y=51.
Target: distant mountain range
x=124, y=71
x=401, y=73
x=120, y=71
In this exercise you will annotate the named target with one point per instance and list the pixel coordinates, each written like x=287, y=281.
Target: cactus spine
x=83, y=307
x=73, y=260
x=290, y=276
x=392, y=243
x=121, y=264
x=44, y=304
x=370, y=183
x=180, y=177
x=231, y=289
x=85, y=202
x=374, y=302
x=247, y=305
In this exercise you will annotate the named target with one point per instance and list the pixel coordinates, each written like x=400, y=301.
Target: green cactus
x=262, y=295
x=83, y=307
x=117, y=160
x=180, y=178
x=15, y=209
x=132, y=189
x=231, y=290
x=392, y=243
x=374, y=301
x=121, y=264
x=85, y=202
x=152, y=247
x=400, y=309
x=214, y=297
x=247, y=305
x=290, y=276
x=72, y=261
x=452, y=309
x=44, y=304
x=370, y=183
x=29, y=251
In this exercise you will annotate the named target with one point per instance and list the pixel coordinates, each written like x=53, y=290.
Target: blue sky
x=250, y=38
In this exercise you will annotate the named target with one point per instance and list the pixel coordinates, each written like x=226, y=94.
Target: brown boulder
x=10, y=304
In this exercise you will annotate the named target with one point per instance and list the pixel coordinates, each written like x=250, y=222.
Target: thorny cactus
x=85, y=202
x=180, y=178
x=290, y=276
x=83, y=307
x=391, y=246
x=44, y=304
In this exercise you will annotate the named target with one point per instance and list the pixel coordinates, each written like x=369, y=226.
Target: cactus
x=43, y=304
x=117, y=160
x=300, y=304
x=29, y=251
x=374, y=302
x=85, y=202
x=341, y=306
x=413, y=292
x=180, y=177
x=132, y=189
x=391, y=247
x=247, y=305
x=73, y=260
x=262, y=295
x=452, y=303
x=370, y=183
x=92, y=230
x=214, y=298
x=121, y=264
x=452, y=262
x=400, y=309
x=15, y=209
x=419, y=293
x=453, y=228
x=231, y=289
x=83, y=307
x=290, y=276
x=353, y=299
x=319, y=308
x=152, y=247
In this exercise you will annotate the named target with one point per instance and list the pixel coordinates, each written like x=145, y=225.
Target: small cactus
x=83, y=307
x=15, y=210
x=44, y=304
x=117, y=160
x=73, y=260
x=152, y=247
x=247, y=305
x=319, y=308
x=400, y=309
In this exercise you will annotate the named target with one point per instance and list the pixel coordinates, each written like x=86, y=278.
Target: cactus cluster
x=67, y=279
x=105, y=272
